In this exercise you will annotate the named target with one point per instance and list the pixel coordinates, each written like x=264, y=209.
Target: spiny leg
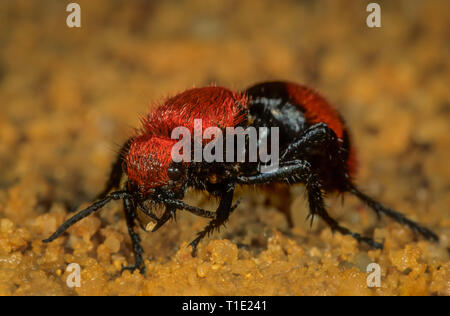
x=397, y=216
x=118, y=195
x=317, y=207
x=223, y=212
x=321, y=136
x=169, y=213
x=147, y=212
x=301, y=172
x=318, y=136
x=171, y=206
x=130, y=215
x=178, y=204
x=290, y=171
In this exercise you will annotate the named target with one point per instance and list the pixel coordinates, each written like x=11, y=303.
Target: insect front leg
x=118, y=195
x=290, y=171
x=130, y=216
x=223, y=212
x=171, y=207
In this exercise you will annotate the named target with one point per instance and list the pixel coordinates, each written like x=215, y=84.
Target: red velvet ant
x=314, y=148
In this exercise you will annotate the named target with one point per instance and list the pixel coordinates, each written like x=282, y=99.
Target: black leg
x=317, y=207
x=290, y=171
x=130, y=215
x=174, y=204
x=178, y=204
x=300, y=171
x=168, y=214
x=399, y=217
x=116, y=172
x=171, y=206
x=319, y=136
x=223, y=212
x=118, y=195
x=147, y=212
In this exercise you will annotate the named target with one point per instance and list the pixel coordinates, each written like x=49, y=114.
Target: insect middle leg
x=318, y=137
x=300, y=171
x=172, y=205
x=131, y=217
x=321, y=136
x=223, y=212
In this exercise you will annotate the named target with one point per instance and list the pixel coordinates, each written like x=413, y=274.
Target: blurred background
x=70, y=96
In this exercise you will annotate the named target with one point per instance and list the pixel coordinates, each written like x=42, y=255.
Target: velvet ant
x=314, y=146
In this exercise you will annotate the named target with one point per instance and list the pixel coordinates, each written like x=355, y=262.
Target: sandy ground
x=69, y=97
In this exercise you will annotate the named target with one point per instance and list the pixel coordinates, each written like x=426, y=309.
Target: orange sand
x=70, y=96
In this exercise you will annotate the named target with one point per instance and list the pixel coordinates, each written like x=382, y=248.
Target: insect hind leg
x=397, y=216
x=300, y=171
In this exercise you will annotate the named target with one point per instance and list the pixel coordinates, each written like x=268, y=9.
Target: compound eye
x=174, y=173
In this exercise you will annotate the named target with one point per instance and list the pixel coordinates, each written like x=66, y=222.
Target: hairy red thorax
x=148, y=159
x=149, y=155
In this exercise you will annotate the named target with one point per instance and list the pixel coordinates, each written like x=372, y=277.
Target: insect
x=314, y=149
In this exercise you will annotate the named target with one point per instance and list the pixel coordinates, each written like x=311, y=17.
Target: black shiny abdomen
x=271, y=106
